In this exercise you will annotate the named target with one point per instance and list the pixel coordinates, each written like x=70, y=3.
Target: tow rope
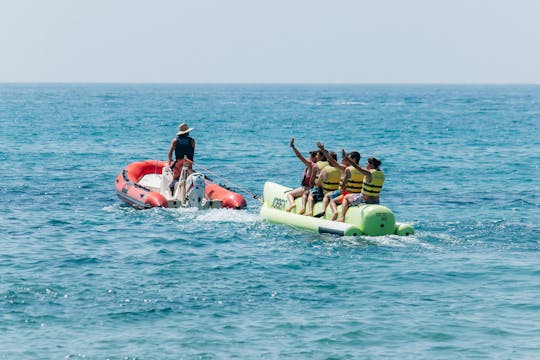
x=255, y=196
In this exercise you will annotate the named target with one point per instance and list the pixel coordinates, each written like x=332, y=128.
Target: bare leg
x=310, y=203
x=292, y=205
x=304, y=200
x=293, y=195
x=344, y=208
x=333, y=206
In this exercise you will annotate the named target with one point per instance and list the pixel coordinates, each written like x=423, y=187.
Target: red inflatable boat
x=139, y=186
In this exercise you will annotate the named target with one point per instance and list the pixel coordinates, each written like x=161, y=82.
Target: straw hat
x=183, y=129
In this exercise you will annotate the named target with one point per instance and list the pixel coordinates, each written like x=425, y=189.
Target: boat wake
x=393, y=241
x=186, y=215
x=228, y=215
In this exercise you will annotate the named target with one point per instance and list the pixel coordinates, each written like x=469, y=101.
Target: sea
x=85, y=276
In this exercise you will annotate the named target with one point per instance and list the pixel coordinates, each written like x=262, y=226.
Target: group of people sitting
x=346, y=183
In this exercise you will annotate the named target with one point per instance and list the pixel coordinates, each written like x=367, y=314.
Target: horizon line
x=262, y=83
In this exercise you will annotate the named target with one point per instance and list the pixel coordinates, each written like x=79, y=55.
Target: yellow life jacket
x=333, y=177
x=354, y=184
x=374, y=187
x=322, y=164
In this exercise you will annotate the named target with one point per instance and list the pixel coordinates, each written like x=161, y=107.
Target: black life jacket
x=184, y=148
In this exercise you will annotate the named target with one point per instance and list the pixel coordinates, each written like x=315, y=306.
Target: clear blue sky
x=273, y=41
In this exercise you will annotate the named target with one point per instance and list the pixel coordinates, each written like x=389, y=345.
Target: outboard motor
x=195, y=191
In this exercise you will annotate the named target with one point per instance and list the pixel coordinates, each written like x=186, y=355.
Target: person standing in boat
x=308, y=177
x=371, y=188
x=183, y=147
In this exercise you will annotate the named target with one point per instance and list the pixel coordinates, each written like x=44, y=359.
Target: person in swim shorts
x=308, y=176
x=351, y=181
x=371, y=188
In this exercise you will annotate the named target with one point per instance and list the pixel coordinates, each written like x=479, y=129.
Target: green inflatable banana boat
x=371, y=220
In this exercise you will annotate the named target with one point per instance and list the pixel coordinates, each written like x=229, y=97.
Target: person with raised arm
x=371, y=188
x=308, y=176
x=327, y=182
x=351, y=181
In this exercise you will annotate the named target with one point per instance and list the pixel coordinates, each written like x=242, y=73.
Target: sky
x=272, y=41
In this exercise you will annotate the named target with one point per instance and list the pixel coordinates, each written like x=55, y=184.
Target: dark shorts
x=317, y=194
x=334, y=194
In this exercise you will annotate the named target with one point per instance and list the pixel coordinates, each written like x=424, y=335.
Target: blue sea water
x=84, y=276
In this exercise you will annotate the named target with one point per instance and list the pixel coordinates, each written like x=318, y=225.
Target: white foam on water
x=386, y=241
x=228, y=215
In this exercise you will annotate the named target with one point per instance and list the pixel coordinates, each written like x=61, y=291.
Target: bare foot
x=341, y=219
x=293, y=206
x=309, y=213
x=301, y=211
x=334, y=217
